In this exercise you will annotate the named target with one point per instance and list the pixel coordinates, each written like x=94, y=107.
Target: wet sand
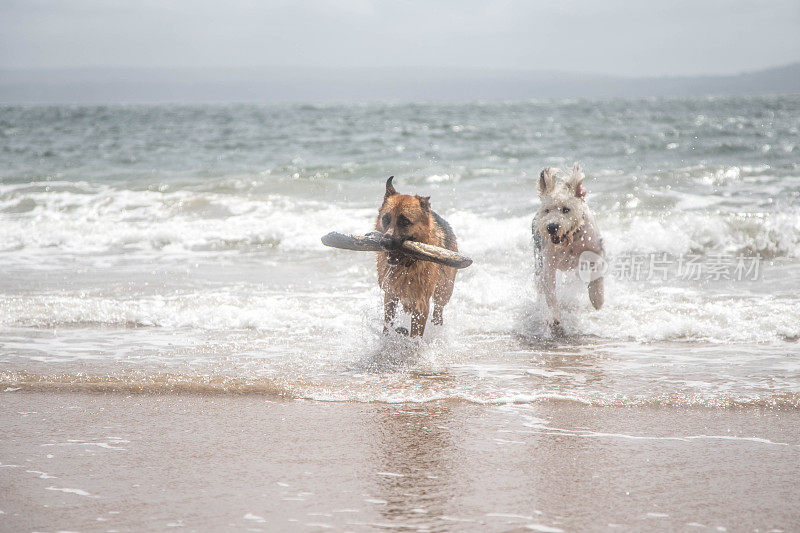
x=83, y=461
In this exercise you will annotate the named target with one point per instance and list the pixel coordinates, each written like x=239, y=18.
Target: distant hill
x=285, y=84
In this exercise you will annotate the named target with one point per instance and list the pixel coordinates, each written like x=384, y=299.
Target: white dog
x=566, y=237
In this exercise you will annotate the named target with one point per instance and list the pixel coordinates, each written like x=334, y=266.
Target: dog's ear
x=389, y=188
x=547, y=180
x=575, y=181
x=425, y=203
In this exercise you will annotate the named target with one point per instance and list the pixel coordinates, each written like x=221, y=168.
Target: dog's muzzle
x=552, y=231
x=394, y=257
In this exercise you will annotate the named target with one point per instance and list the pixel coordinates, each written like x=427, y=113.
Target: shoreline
x=98, y=461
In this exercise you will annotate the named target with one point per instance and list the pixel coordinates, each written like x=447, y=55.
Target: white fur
x=575, y=233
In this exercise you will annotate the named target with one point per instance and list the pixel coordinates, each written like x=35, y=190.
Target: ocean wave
x=81, y=218
x=768, y=235
x=141, y=382
x=100, y=219
x=284, y=388
x=486, y=302
x=207, y=309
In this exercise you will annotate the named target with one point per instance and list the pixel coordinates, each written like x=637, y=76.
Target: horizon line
x=421, y=68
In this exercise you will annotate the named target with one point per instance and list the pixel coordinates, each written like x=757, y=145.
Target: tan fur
x=413, y=283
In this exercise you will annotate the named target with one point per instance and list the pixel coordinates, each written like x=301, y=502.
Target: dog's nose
x=392, y=241
x=552, y=228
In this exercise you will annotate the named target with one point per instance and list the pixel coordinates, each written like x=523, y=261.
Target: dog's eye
x=565, y=210
x=403, y=221
x=386, y=220
x=546, y=211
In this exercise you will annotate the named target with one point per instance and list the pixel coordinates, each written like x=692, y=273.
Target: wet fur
x=406, y=281
x=560, y=237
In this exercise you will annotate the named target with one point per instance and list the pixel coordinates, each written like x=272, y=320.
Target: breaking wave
x=84, y=219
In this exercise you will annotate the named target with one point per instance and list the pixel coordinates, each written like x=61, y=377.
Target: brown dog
x=411, y=282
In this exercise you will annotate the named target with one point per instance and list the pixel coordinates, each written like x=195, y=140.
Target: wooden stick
x=375, y=242
x=428, y=252
x=371, y=242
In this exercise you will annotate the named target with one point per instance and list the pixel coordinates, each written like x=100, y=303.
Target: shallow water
x=167, y=247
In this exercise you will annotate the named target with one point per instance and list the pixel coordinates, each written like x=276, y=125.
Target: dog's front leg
x=547, y=286
x=389, y=310
x=596, y=292
x=438, y=318
x=418, y=319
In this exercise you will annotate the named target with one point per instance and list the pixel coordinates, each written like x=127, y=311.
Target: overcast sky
x=669, y=37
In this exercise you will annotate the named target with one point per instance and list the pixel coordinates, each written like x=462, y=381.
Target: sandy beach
x=88, y=461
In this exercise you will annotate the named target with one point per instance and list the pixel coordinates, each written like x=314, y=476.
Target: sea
x=168, y=248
